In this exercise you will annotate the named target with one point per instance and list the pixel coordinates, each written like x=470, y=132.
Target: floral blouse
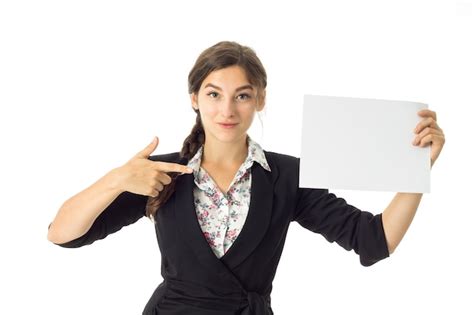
x=222, y=216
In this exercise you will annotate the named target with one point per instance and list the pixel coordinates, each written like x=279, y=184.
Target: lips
x=224, y=125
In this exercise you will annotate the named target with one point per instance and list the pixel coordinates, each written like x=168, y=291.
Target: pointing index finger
x=172, y=167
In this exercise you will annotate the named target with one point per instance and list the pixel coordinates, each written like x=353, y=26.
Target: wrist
x=114, y=179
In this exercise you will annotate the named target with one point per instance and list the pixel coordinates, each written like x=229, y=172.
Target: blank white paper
x=362, y=144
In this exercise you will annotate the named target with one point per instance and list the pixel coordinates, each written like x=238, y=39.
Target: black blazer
x=196, y=281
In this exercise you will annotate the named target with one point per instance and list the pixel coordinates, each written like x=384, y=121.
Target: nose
x=228, y=107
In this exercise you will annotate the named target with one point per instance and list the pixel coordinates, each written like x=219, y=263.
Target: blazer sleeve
x=124, y=210
x=322, y=212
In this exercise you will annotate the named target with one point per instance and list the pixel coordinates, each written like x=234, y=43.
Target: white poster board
x=362, y=144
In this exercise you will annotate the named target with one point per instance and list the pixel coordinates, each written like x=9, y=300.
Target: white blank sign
x=362, y=144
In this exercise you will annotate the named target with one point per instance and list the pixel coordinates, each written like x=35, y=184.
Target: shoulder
x=276, y=160
x=284, y=164
x=280, y=159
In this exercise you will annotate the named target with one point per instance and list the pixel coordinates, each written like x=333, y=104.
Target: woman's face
x=227, y=97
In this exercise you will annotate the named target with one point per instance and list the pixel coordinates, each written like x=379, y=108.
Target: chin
x=229, y=137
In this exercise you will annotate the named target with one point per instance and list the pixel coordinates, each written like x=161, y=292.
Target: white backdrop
x=84, y=85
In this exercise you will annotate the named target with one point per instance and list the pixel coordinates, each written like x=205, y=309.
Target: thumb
x=148, y=150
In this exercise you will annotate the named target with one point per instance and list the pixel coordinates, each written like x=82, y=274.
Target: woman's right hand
x=145, y=177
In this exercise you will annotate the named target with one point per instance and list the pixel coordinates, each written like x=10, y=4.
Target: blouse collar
x=255, y=154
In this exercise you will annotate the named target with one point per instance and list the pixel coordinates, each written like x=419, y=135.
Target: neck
x=225, y=153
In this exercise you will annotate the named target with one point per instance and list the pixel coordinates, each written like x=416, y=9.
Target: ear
x=261, y=100
x=193, y=98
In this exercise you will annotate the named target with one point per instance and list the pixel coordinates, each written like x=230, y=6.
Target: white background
x=84, y=85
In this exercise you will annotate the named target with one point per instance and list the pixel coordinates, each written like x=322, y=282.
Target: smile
x=228, y=126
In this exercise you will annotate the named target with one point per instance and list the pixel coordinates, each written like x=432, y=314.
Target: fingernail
x=188, y=170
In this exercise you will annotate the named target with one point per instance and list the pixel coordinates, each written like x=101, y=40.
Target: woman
x=222, y=205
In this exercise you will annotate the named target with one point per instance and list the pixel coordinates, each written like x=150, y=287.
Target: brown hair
x=221, y=55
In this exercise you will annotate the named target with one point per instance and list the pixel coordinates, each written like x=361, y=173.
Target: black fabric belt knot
x=195, y=294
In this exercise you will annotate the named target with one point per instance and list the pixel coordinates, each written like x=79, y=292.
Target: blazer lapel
x=188, y=223
x=253, y=231
x=258, y=217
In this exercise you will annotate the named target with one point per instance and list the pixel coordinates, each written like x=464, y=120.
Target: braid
x=190, y=146
x=195, y=140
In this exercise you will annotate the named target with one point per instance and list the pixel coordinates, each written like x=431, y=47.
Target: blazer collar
x=253, y=231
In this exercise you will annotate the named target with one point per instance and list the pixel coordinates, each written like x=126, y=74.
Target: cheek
x=208, y=112
x=248, y=114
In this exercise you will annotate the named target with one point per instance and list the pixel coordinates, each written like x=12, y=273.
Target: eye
x=210, y=93
x=246, y=96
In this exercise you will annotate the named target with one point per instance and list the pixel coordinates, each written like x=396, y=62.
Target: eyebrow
x=243, y=87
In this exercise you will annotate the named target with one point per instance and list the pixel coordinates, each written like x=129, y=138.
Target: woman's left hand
x=428, y=132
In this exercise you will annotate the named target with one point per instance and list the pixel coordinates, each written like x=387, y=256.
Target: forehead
x=229, y=76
